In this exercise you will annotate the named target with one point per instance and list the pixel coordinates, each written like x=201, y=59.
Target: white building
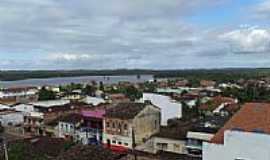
x=4, y=107
x=25, y=108
x=50, y=103
x=93, y=100
x=246, y=136
x=239, y=145
x=169, y=108
x=17, y=92
x=11, y=118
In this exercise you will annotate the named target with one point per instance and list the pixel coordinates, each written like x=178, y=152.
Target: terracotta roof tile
x=252, y=116
x=215, y=102
x=125, y=110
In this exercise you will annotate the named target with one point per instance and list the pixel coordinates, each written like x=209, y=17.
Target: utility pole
x=133, y=144
x=4, y=145
x=5, y=149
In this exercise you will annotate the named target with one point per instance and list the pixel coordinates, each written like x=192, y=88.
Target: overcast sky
x=151, y=34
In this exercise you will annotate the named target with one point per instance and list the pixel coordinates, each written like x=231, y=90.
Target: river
x=68, y=80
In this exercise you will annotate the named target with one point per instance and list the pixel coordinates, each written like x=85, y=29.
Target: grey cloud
x=108, y=34
x=248, y=39
x=261, y=11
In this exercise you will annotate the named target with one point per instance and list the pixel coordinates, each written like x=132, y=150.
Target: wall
x=15, y=118
x=118, y=138
x=114, y=134
x=25, y=108
x=146, y=123
x=169, y=108
x=175, y=146
x=66, y=129
x=143, y=125
x=239, y=145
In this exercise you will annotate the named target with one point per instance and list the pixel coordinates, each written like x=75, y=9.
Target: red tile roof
x=216, y=102
x=252, y=116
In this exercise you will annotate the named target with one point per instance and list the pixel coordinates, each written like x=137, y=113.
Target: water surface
x=82, y=79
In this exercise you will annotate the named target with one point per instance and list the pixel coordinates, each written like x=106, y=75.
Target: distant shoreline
x=203, y=73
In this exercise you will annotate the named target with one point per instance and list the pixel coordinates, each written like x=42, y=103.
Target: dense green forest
x=192, y=74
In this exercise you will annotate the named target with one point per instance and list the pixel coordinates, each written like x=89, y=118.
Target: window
x=67, y=130
x=113, y=125
x=120, y=143
x=125, y=127
x=119, y=127
x=162, y=146
x=108, y=124
x=114, y=141
x=126, y=144
x=176, y=147
x=155, y=124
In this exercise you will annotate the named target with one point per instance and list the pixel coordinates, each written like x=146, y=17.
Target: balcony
x=90, y=130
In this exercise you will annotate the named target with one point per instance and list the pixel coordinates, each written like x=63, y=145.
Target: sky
x=145, y=34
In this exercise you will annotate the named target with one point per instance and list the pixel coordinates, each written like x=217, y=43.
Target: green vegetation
x=189, y=112
x=219, y=75
x=89, y=90
x=192, y=75
x=150, y=87
x=132, y=93
x=69, y=88
x=21, y=151
x=250, y=93
x=45, y=94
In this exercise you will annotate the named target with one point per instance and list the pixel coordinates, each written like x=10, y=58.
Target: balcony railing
x=90, y=130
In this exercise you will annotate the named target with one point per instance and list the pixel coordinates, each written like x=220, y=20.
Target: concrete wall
x=169, y=108
x=13, y=119
x=125, y=141
x=239, y=145
x=116, y=134
x=146, y=123
x=66, y=129
x=175, y=146
x=25, y=108
x=143, y=125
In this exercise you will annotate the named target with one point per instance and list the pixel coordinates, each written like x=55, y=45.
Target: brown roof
x=118, y=96
x=207, y=83
x=125, y=110
x=216, y=102
x=251, y=117
x=72, y=118
x=176, y=131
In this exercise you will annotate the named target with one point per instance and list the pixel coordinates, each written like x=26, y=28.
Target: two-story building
x=68, y=125
x=85, y=127
x=170, y=138
x=129, y=124
x=18, y=95
x=50, y=111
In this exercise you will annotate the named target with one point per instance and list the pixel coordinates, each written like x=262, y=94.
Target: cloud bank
x=91, y=34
